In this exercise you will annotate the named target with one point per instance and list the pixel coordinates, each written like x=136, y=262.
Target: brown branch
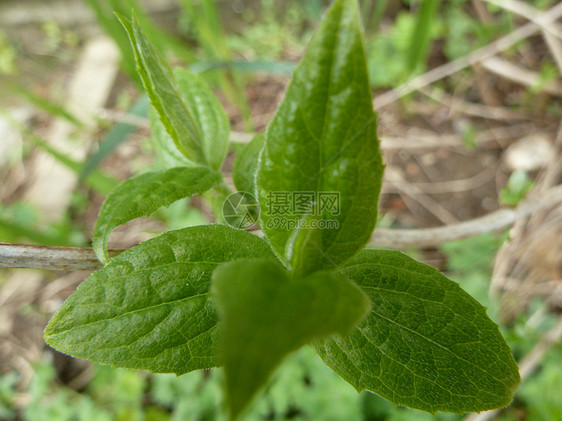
x=493, y=222
x=77, y=258
x=49, y=258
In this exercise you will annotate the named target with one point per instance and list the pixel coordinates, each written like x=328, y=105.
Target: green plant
x=8, y=55
x=518, y=185
x=211, y=295
x=204, y=19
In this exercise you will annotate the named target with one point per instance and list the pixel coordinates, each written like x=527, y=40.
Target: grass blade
x=421, y=36
x=118, y=134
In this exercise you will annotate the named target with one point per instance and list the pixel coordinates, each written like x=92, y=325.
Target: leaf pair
x=195, y=120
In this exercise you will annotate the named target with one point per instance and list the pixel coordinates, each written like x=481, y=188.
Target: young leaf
x=208, y=114
x=265, y=315
x=150, y=307
x=146, y=193
x=161, y=88
x=323, y=140
x=426, y=344
x=244, y=169
x=165, y=146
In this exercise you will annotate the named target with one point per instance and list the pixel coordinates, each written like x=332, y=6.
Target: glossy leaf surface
x=426, y=344
x=144, y=194
x=150, y=308
x=322, y=141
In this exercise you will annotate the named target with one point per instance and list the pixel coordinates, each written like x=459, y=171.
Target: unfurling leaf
x=160, y=86
x=208, y=114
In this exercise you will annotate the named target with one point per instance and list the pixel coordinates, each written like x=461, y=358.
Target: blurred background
x=469, y=100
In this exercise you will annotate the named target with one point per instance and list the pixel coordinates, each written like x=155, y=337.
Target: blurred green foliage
x=518, y=185
x=541, y=393
x=8, y=55
x=21, y=222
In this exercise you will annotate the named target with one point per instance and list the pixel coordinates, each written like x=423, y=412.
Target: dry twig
x=528, y=12
x=477, y=56
x=72, y=258
x=519, y=75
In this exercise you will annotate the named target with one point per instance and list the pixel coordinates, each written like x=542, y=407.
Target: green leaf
x=162, y=90
x=420, y=38
x=208, y=114
x=245, y=166
x=426, y=344
x=150, y=307
x=164, y=144
x=323, y=140
x=146, y=193
x=265, y=315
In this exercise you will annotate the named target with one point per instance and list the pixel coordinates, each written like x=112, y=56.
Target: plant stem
x=50, y=257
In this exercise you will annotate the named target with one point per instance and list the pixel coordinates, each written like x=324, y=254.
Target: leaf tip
x=99, y=244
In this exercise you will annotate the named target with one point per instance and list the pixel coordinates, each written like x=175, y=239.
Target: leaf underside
x=150, y=308
x=426, y=344
x=207, y=113
x=164, y=144
x=160, y=86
